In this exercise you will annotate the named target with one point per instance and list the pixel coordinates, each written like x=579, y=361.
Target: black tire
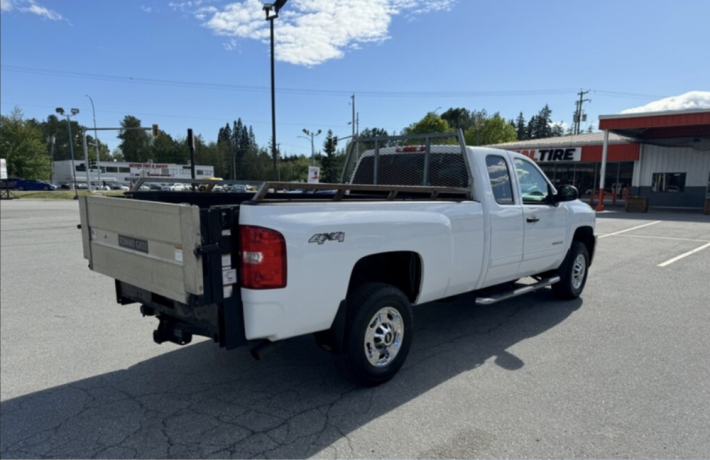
x=46, y=188
x=20, y=188
x=391, y=349
x=573, y=272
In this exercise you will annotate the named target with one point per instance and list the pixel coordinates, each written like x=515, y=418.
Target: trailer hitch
x=170, y=331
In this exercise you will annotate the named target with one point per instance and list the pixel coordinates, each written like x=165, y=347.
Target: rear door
x=545, y=224
x=507, y=224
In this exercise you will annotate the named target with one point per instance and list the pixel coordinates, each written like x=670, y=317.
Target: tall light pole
x=268, y=9
x=51, y=140
x=96, y=138
x=60, y=111
x=313, y=151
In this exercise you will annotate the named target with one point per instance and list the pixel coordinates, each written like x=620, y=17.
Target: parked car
x=236, y=188
x=118, y=186
x=178, y=187
x=10, y=182
x=97, y=186
x=34, y=184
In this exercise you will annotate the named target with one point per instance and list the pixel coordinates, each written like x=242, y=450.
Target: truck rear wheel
x=378, y=334
x=573, y=272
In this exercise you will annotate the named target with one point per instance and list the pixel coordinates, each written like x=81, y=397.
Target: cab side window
x=500, y=179
x=533, y=186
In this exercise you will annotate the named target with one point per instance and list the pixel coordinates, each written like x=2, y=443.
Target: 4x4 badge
x=321, y=238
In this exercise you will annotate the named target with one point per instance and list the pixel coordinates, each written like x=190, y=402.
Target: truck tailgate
x=147, y=244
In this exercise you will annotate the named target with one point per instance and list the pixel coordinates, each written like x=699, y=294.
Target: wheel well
x=585, y=235
x=402, y=269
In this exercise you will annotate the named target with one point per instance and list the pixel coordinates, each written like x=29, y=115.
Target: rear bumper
x=223, y=322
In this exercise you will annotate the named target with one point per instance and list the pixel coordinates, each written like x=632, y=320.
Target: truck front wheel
x=378, y=334
x=573, y=272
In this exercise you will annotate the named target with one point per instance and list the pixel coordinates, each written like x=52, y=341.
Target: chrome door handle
x=533, y=219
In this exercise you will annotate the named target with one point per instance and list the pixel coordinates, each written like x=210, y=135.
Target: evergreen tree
x=521, y=128
x=557, y=130
x=540, y=124
x=135, y=143
x=329, y=162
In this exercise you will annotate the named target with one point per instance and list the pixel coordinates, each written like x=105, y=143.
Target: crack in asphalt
x=193, y=415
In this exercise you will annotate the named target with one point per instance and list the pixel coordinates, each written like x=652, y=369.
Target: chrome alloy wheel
x=578, y=271
x=383, y=337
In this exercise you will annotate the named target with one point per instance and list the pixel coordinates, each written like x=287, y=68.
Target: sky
x=201, y=64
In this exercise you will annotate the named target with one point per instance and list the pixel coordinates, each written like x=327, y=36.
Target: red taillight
x=263, y=258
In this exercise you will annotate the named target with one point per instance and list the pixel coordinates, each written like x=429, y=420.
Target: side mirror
x=566, y=193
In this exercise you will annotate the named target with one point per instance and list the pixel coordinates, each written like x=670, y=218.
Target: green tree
x=117, y=155
x=540, y=125
x=557, y=130
x=458, y=118
x=164, y=149
x=58, y=128
x=370, y=133
x=521, y=128
x=23, y=145
x=494, y=130
x=135, y=142
x=294, y=168
x=431, y=123
x=331, y=162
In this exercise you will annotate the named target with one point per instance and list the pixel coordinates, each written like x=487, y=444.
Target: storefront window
x=668, y=182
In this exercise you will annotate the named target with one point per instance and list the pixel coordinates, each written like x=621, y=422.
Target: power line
x=189, y=117
x=298, y=91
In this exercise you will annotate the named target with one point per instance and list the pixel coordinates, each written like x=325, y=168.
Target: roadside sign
x=313, y=174
x=3, y=169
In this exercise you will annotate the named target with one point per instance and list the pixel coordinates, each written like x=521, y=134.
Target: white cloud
x=147, y=9
x=34, y=8
x=30, y=6
x=311, y=32
x=690, y=100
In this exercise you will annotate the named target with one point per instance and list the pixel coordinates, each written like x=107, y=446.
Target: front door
x=545, y=224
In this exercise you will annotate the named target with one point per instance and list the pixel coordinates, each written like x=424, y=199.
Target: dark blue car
x=34, y=184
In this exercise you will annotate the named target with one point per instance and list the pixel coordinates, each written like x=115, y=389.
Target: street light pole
x=276, y=6
x=96, y=138
x=60, y=111
x=51, y=139
x=313, y=151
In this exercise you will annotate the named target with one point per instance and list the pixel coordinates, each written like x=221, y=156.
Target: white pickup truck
x=344, y=262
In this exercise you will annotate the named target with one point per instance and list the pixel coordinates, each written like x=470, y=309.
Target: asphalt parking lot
x=621, y=372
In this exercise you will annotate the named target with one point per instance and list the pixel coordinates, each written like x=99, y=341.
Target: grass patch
x=57, y=194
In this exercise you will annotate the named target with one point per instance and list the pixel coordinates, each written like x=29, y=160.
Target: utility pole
x=579, y=115
x=353, y=122
x=96, y=138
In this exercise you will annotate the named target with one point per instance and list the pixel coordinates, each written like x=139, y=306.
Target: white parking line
x=665, y=238
x=632, y=228
x=675, y=259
